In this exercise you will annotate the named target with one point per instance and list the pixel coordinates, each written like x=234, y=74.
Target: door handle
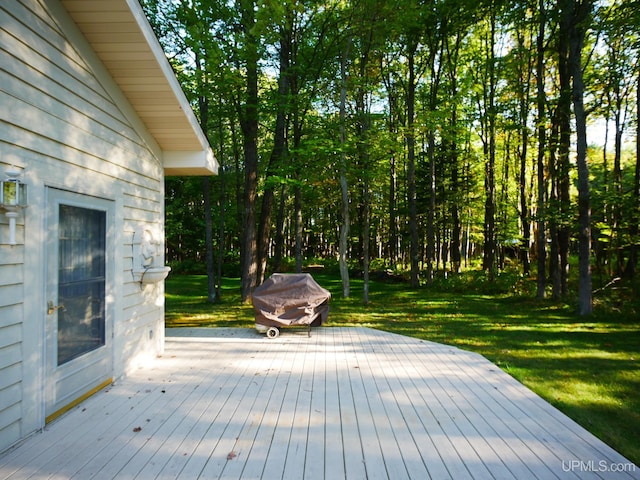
x=51, y=308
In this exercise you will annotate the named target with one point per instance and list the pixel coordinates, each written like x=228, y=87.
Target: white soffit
x=120, y=34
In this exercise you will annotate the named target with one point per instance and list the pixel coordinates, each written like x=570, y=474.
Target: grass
x=588, y=368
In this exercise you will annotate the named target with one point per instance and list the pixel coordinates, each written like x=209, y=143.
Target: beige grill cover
x=291, y=299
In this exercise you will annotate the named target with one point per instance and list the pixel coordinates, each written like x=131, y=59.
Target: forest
x=409, y=138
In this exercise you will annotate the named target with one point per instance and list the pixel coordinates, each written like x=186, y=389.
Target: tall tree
x=344, y=188
x=634, y=225
x=524, y=69
x=619, y=33
x=410, y=31
x=562, y=171
x=451, y=129
x=437, y=39
x=541, y=238
x=488, y=116
x=458, y=17
x=248, y=113
x=579, y=13
x=368, y=36
x=285, y=33
x=632, y=263
x=452, y=54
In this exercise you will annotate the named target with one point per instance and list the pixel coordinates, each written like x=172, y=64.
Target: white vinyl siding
x=10, y=340
x=65, y=124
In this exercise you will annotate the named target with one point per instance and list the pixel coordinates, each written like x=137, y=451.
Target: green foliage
x=506, y=283
x=301, y=44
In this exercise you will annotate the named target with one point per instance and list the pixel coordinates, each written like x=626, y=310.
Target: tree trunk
x=632, y=262
x=435, y=67
x=541, y=238
x=617, y=242
x=411, y=169
x=554, y=253
x=221, y=207
x=393, y=213
x=564, y=146
x=277, y=156
x=203, y=107
x=456, y=224
x=366, y=239
x=363, y=152
x=489, y=260
x=249, y=125
x=393, y=123
x=581, y=14
x=208, y=235
x=299, y=227
x=363, y=123
x=525, y=214
x=344, y=228
x=431, y=233
x=279, y=240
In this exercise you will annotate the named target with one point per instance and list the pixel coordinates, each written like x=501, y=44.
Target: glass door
x=81, y=281
x=79, y=357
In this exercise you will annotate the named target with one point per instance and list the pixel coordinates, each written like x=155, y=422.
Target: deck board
x=349, y=403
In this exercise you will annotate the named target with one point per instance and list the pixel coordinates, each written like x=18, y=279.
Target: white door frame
x=70, y=383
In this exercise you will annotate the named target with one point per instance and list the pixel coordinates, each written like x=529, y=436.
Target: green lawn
x=589, y=369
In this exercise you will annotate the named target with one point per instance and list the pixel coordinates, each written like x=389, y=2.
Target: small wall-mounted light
x=13, y=198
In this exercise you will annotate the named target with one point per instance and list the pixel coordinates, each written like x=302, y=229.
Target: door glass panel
x=81, y=281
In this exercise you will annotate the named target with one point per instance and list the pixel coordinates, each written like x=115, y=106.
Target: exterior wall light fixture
x=13, y=198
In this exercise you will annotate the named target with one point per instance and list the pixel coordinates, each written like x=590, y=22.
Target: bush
x=507, y=282
x=188, y=267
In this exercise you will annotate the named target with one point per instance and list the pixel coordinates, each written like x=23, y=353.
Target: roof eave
x=190, y=163
x=135, y=60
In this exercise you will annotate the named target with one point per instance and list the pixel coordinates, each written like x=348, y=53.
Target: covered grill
x=289, y=299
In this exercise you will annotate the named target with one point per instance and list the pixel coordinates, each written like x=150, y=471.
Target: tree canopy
x=410, y=136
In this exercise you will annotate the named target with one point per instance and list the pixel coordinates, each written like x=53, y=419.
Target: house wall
x=68, y=126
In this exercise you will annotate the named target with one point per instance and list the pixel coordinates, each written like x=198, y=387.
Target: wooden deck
x=351, y=403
